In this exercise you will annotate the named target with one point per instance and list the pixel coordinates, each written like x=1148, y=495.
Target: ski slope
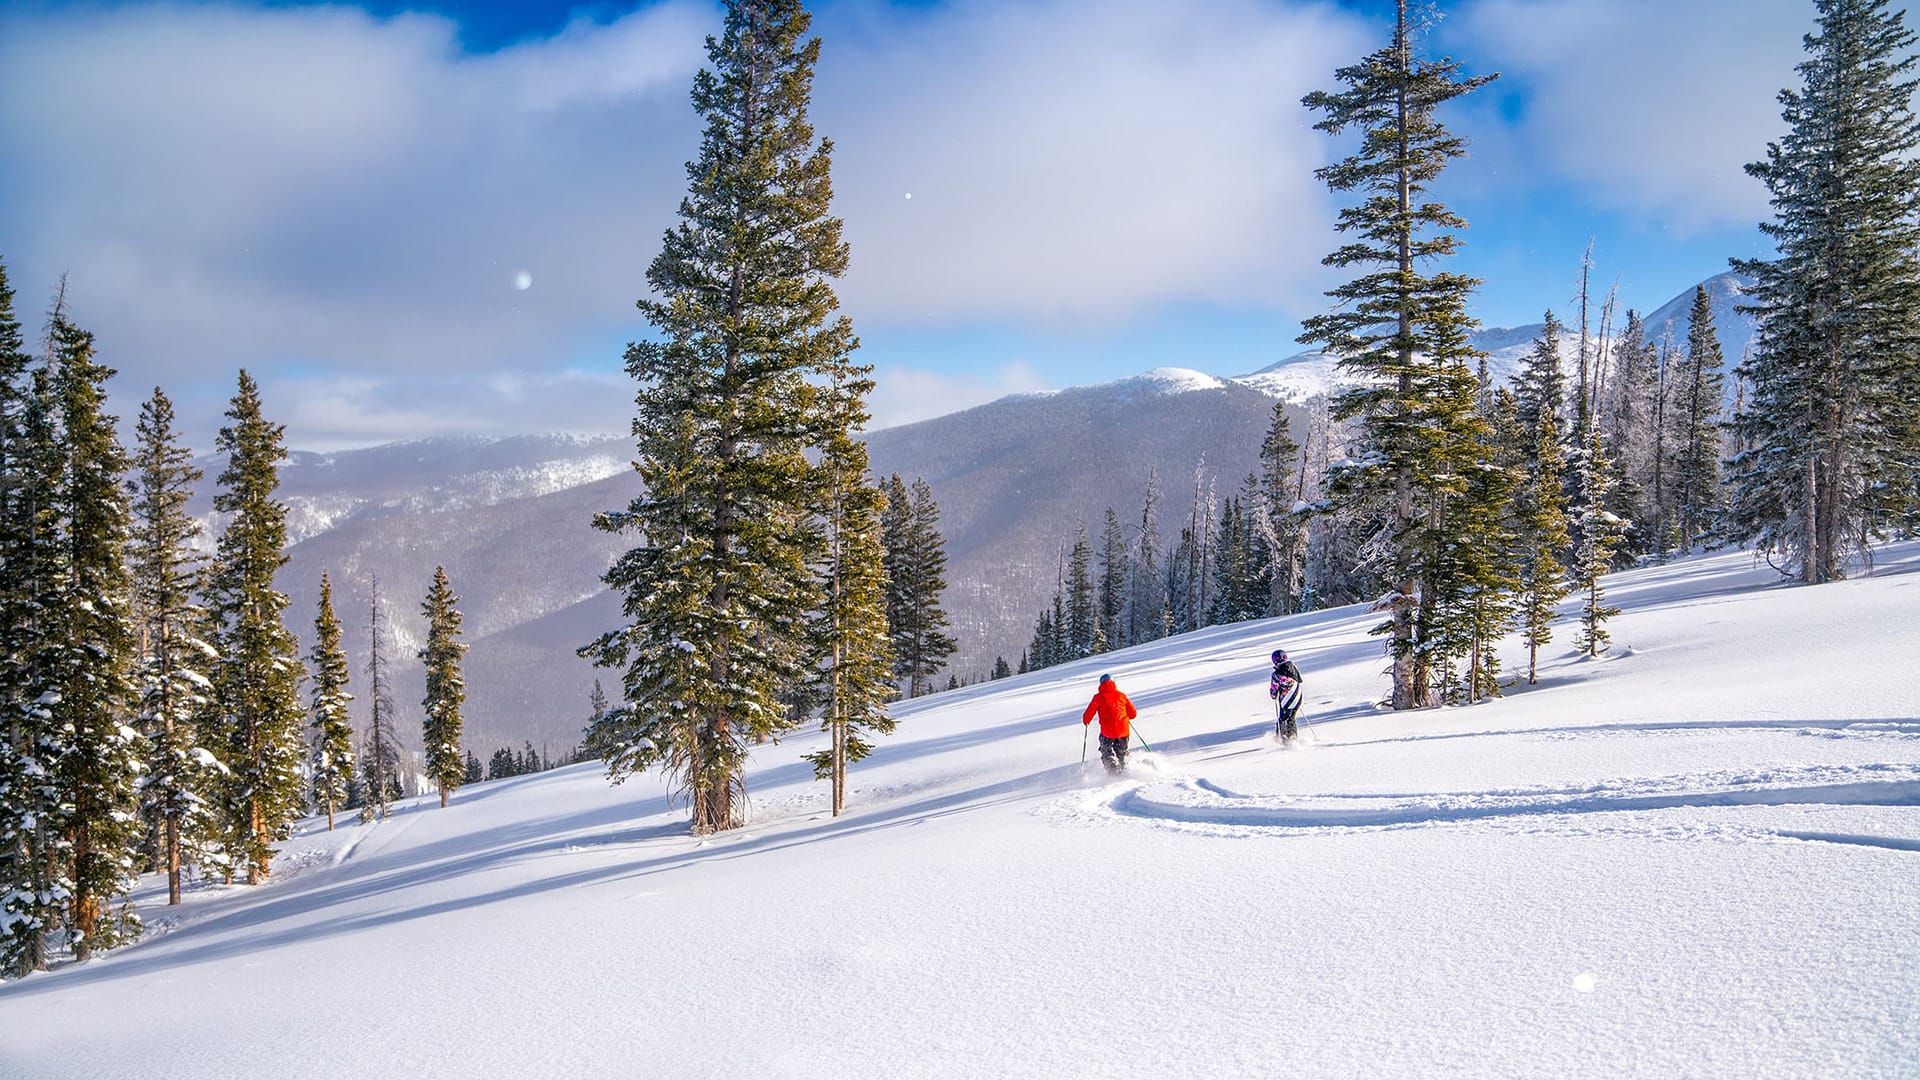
x=1698, y=856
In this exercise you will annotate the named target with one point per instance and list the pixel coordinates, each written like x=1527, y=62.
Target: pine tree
x=717, y=593
x=475, y=771
x=446, y=688
x=1282, y=528
x=1541, y=385
x=29, y=907
x=380, y=758
x=1697, y=467
x=332, y=723
x=255, y=715
x=36, y=894
x=180, y=774
x=100, y=762
x=1542, y=537
x=853, y=654
x=1002, y=670
x=1399, y=333
x=1147, y=606
x=596, y=704
x=1834, y=438
x=918, y=575
x=1112, y=603
x=1600, y=533
x=1080, y=599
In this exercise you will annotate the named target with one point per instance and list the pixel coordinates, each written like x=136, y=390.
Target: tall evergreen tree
x=1282, y=528
x=1401, y=331
x=853, y=653
x=332, y=723
x=1542, y=538
x=34, y=902
x=718, y=591
x=31, y=901
x=1147, y=605
x=446, y=687
x=1834, y=435
x=1541, y=385
x=99, y=766
x=1601, y=531
x=255, y=716
x=918, y=575
x=1081, y=610
x=380, y=756
x=1697, y=465
x=1112, y=600
x=180, y=774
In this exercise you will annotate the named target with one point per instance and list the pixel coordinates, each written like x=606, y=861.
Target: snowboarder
x=1284, y=689
x=1115, y=710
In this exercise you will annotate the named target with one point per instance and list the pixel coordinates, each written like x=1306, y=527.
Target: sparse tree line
x=150, y=711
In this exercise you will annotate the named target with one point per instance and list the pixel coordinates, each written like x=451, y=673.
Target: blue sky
x=433, y=217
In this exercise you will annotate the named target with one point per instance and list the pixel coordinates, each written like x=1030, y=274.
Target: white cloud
x=1645, y=105
x=905, y=395
x=315, y=189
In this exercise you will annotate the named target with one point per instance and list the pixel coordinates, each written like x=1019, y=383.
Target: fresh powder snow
x=1698, y=855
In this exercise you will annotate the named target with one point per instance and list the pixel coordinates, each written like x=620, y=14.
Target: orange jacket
x=1114, y=709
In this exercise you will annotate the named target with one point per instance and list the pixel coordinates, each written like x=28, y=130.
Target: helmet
x=1279, y=656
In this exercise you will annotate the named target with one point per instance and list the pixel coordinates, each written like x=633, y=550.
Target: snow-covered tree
x=1112, y=602
x=99, y=764
x=180, y=774
x=446, y=687
x=1832, y=434
x=380, y=748
x=1696, y=478
x=1081, y=610
x=1147, y=604
x=1541, y=538
x=332, y=722
x=1601, y=531
x=255, y=718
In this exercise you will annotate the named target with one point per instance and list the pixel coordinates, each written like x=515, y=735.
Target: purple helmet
x=1279, y=656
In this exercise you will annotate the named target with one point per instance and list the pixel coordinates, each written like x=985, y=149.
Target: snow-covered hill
x=1695, y=857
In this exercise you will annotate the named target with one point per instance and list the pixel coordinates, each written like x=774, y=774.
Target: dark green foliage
x=475, y=772
x=1147, y=614
x=1601, y=531
x=1282, y=529
x=100, y=760
x=1831, y=436
x=718, y=592
x=1696, y=478
x=1113, y=622
x=1079, y=598
x=1401, y=332
x=446, y=687
x=255, y=716
x=1001, y=670
x=1542, y=538
x=916, y=562
x=380, y=750
x=332, y=723
x=180, y=774
x=852, y=648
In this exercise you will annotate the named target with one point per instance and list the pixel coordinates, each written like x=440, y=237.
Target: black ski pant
x=1113, y=752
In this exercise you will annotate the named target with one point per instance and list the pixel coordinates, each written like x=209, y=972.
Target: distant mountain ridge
x=511, y=518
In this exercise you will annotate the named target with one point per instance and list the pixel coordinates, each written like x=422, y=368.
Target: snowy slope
x=1696, y=858
x=1699, y=857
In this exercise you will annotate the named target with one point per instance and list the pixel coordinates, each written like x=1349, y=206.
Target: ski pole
x=1083, y=742
x=1142, y=738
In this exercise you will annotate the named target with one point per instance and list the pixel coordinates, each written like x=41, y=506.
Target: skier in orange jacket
x=1115, y=710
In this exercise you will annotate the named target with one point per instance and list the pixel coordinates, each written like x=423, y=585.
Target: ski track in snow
x=1198, y=804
